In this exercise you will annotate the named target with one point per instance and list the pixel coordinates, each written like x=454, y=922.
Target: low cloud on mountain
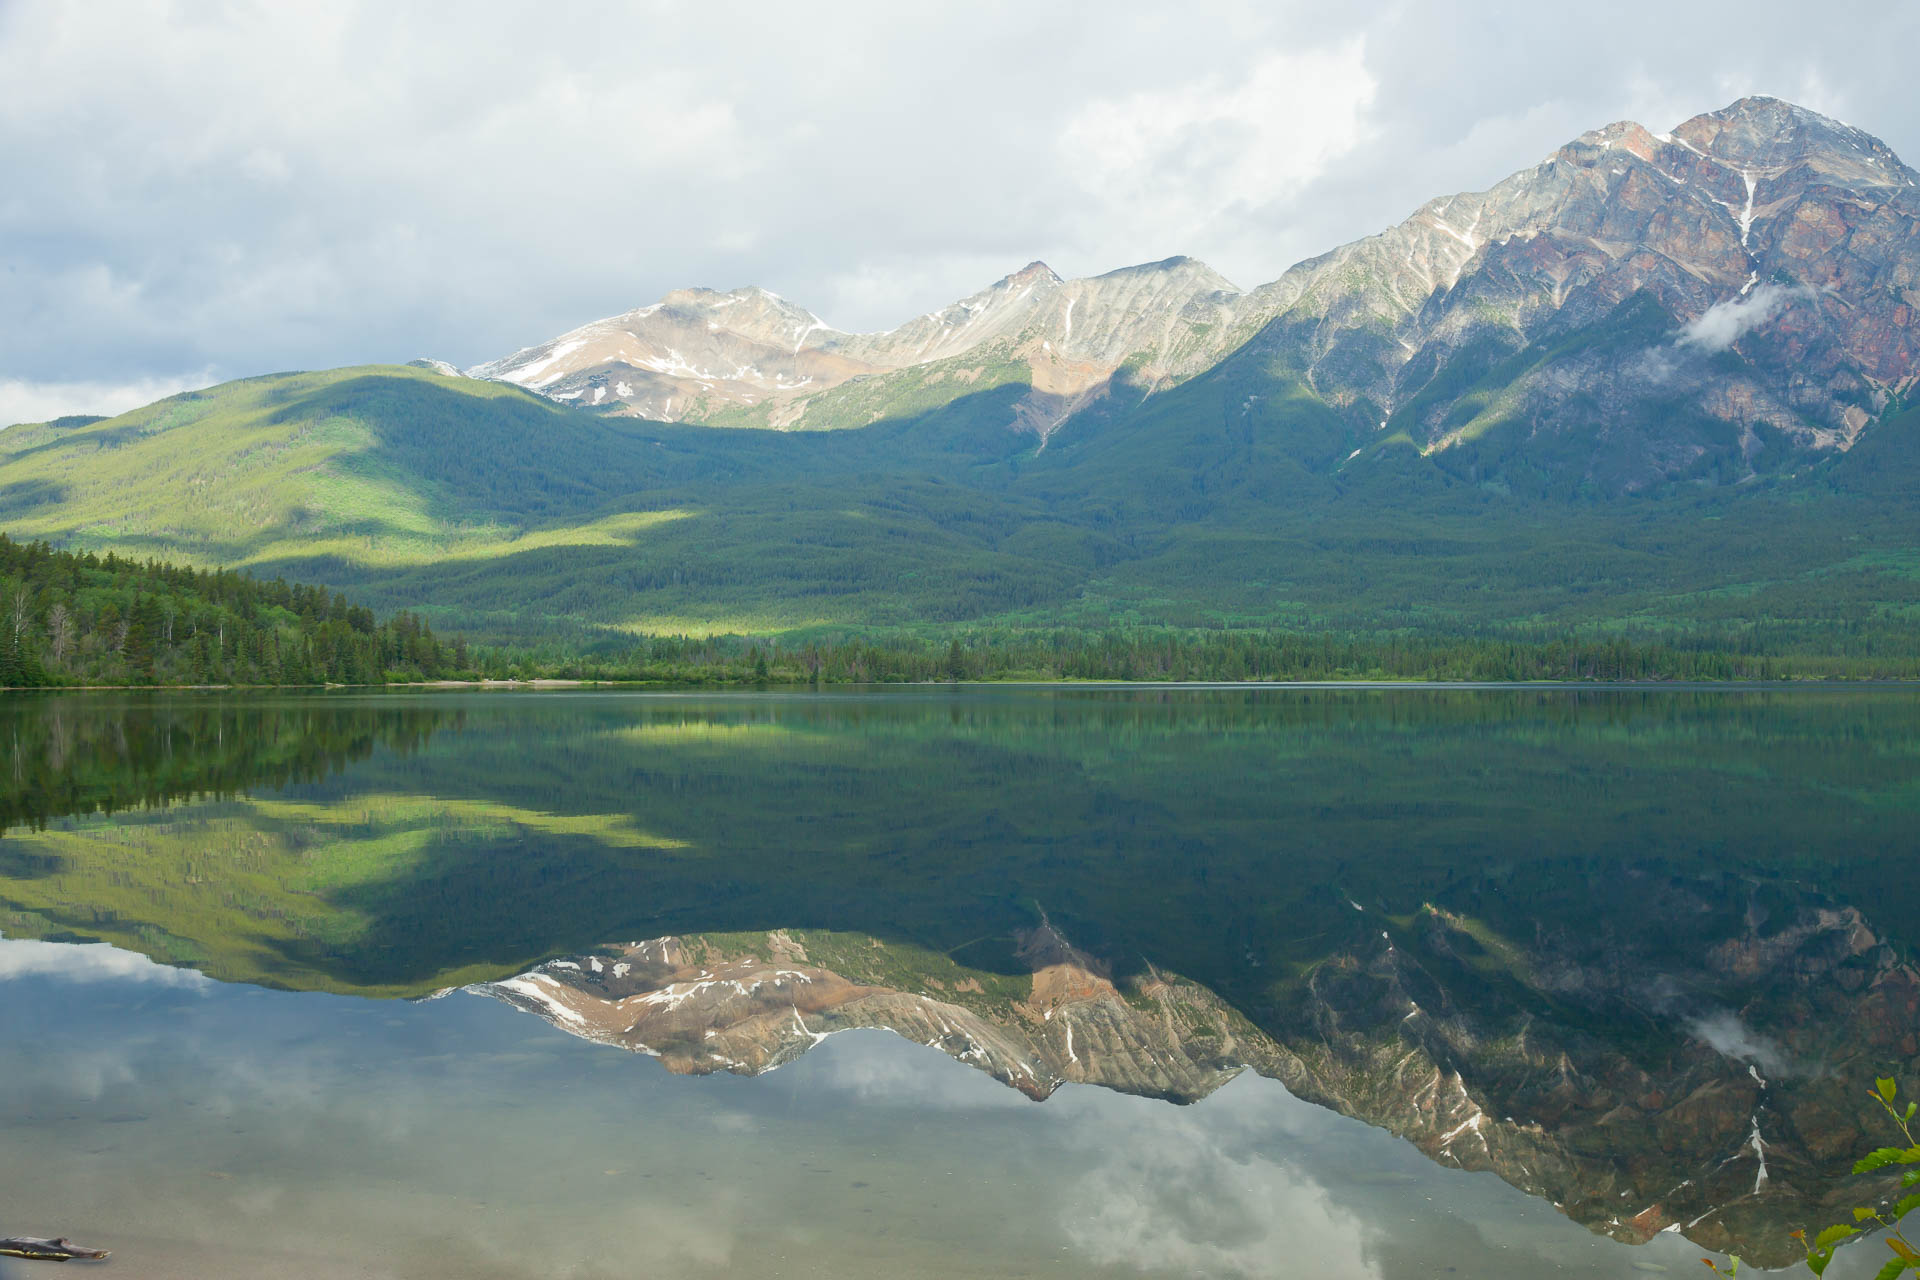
x=1727, y=1035
x=1725, y=323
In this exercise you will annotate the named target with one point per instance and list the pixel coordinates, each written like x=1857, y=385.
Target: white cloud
x=1210, y=1190
x=87, y=962
x=249, y=187
x=876, y=286
x=880, y=1068
x=1181, y=1207
x=22, y=401
x=1724, y=323
x=1165, y=170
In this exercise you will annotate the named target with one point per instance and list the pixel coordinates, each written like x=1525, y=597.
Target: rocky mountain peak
x=1629, y=136
x=755, y=313
x=1763, y=231
x=1190, y=272
x=1762, y=132
x=1034, y=271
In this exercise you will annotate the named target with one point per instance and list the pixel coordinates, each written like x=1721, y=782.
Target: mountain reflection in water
x=1637, y=952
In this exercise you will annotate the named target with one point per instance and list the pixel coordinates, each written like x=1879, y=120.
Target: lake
x=1385, y=982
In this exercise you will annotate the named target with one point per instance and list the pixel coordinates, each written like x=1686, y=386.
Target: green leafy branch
x=1906, y=1257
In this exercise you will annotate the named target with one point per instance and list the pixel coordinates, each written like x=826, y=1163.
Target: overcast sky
x=212, y=188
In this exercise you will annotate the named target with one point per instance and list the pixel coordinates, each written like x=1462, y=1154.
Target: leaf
x=1886, y=1087
x=1906, y=1206
x=1834, y=1235
x=1885, y=1156
x=1910, y=1177
x=1817, y=1262
x=1862, y=1213
x=1904, y=1249
x=1892, y=1270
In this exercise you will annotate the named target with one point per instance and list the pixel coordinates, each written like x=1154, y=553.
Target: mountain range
x=1764, y=232
x=1656, y=382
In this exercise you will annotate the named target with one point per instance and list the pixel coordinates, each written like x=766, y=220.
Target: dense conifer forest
x=75, y=619
x=85, y=619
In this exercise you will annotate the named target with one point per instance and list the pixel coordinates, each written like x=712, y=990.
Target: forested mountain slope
x=491, y=510
x=481, y=501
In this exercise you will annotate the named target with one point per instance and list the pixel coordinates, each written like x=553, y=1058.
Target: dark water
x=1530, y=981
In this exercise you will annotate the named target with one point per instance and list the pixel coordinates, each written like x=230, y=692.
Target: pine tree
x=12, y=676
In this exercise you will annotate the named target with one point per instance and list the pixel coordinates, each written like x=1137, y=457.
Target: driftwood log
x=60, y=1250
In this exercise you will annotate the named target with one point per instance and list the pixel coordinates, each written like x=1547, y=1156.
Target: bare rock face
x=1757, y=268
x=692, y=348
x=1638, y=307
x=1725, y=1099
x=698, y=355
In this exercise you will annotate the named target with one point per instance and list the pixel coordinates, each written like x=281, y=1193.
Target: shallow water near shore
x=1439, y=924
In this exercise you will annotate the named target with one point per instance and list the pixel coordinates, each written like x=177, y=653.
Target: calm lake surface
x=969, y=982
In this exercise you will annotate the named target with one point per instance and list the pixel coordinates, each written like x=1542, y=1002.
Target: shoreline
x=673, y=686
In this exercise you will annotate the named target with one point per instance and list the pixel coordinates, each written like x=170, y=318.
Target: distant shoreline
x=1804, y=682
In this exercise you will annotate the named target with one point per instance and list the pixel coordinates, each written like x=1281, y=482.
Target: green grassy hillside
x=374, y=466
x=1237, y=498
x=483, y=503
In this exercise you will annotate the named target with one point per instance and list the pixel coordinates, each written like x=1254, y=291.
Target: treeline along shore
x=71, y=618
x=78, y=619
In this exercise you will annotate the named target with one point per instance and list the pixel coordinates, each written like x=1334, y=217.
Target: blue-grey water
x=208, y=1130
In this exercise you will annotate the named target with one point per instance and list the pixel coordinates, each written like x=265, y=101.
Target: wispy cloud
x=1179, y=167
x=1726, y=1034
